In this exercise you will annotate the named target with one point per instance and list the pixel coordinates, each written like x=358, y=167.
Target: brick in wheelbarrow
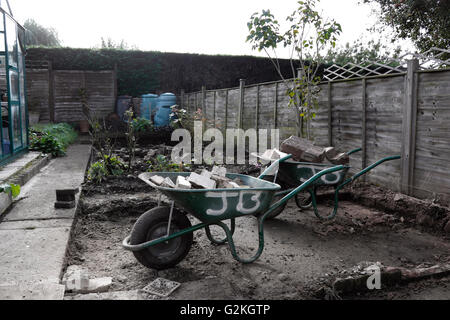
x=182, y=183
x=335, y=157
x=168, y=183
x=158, y=180
x=201, y=182
x=302, y=150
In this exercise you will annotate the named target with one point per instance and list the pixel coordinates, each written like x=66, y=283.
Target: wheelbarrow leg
x=335, y=209
x=349, y=180
x=233, y=248
x=219, y=242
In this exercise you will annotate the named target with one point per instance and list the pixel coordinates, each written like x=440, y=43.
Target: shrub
x=142, y=125
x=162, y=164
x=52, y=138
x=108, y=166
x=46, y=143
x=10, y=187
x=97, y=172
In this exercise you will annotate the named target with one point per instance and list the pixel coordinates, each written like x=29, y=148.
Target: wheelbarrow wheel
x=303, y=200
x=153, y=225
x=275, y=213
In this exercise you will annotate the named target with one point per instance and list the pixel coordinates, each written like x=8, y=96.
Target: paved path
x=34, y=235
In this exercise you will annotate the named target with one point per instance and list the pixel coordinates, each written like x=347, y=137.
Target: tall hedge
x=141, y=72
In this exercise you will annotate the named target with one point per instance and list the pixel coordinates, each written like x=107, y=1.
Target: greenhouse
x=12, y=87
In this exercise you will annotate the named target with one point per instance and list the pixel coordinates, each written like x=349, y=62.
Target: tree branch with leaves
x=308, y=38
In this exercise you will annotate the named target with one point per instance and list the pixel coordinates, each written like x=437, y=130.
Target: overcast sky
x=196, y=26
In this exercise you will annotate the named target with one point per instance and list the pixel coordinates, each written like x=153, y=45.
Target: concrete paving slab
x=38, y=196
x=35, y=235
x=32, y=255
x=44, y=291
x=13, y=167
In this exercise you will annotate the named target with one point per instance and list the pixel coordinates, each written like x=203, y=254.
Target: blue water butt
x=148, y=106
x=165, y=101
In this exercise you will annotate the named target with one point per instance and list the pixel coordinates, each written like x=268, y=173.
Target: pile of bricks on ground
x=214, y=179
x=305, y=151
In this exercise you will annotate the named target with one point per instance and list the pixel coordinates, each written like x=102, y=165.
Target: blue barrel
x=148, y=106
x=123, y=104
x=163, y=110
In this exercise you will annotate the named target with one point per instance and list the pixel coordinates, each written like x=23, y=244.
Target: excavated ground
x=301, y=252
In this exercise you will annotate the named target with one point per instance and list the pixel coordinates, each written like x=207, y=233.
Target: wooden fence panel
x=220, y=114
x=286, y=114
x=385, y=104
x=67, y=99
x=346, y=106
x=37, y=86
x=319, y=125
x=432, y=165
x=233, y=108
x=210, y=109
x=366, y=112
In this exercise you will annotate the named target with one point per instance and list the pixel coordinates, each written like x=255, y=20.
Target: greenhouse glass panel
x=15, y=117
x=11, y=39
x=2, y=44
x=14, y=85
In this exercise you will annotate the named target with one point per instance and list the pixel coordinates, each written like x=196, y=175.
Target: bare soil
x=301, y=253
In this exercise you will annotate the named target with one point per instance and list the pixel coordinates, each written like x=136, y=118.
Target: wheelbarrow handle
x=274, y=164
x=354, y=151
x=367, y=169
x=303, y=186
x=339, y=187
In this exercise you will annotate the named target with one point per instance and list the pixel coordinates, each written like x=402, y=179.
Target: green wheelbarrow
x=162, y=237
x=292, y=173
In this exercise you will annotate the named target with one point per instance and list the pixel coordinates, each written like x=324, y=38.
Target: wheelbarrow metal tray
x=212, y=205
x=294, y=173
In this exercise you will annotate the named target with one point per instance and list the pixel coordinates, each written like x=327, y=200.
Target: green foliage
x=37, y=35
x=140, y=72
x=46, y=143
x=426, y=23
x=10, y=187
x=97, y=172
x=358, y=52
x=308, y=37
x=107, y=166
x=179, y=117
x=109, y=43
x=142, y=125
x=52, y=138
x=162, y=164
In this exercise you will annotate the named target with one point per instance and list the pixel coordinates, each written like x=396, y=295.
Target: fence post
x=182, y=100
x=364, y=127
x=257, y=109
x=275, y=107
x=409, y=128
x=330, y=119
x=51, y=93
x=241, y=101
x=214, y=109
x=299, y=120
x=115, y=83
x=226, y=110
x=204, y=100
